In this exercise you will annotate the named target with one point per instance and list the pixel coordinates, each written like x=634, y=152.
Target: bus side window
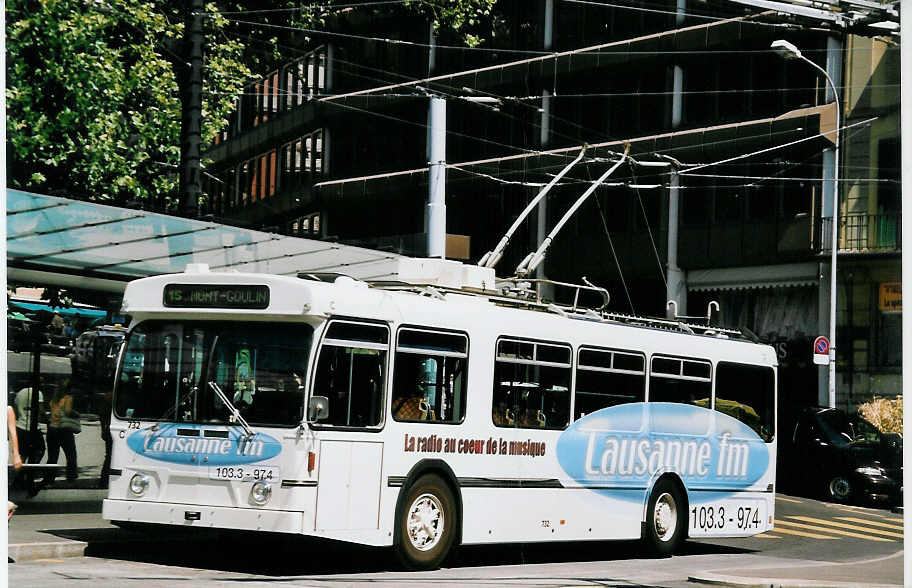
x=747, y=393
x=351, y=372
x=531, y=385
x=687, y=381
x=606, y=377
x=429, y=377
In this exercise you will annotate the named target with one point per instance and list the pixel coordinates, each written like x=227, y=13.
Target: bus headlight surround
x=261, y=492
x=139, y=483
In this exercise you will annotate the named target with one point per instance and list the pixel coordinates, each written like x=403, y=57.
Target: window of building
x=747, y=393
x=351, y=372
x=728, y=206
x=687, y=381
x=429, y=377
x=607, y=378
x=306, y=226
x=531, y=385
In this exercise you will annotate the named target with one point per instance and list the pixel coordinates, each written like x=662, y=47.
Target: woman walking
x=61, y=433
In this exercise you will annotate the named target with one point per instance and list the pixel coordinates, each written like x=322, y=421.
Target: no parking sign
x=821, y=350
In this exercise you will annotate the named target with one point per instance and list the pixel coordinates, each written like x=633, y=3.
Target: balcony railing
x=862, y=233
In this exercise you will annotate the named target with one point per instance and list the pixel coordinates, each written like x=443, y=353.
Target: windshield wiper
x=235, y=413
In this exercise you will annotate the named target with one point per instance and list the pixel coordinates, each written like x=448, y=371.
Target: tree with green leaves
x=93, y=109
x=93, y=104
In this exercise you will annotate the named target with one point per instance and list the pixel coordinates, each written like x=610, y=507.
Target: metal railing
x=876, y=233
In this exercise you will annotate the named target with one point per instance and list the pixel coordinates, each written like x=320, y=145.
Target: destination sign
x=216, y=296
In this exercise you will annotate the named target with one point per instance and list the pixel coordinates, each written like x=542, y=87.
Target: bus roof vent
x=197, y=268
x=445, y=273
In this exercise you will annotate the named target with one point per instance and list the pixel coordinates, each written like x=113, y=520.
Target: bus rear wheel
x=427, y=524
x=666, y=518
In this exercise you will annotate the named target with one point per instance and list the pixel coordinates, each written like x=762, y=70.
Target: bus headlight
x=260, y=492
x=139, y=483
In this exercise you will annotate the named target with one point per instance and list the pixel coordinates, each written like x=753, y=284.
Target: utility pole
x=191, y=111
x=676, y=281
x=435, y=216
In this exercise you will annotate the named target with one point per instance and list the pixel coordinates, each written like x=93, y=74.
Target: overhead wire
x=648, y=228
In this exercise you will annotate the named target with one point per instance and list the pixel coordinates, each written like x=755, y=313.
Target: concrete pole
x=676, y=280
x=435, y=218
x=544, y=141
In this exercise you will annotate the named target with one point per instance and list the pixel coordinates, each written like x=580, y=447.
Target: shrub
x=884, y=414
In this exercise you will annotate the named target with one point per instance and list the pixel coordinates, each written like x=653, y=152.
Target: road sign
x=821, y=350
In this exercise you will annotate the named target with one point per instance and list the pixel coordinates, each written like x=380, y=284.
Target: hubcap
x=425, y=522
x=665, y=517
x=839, y=488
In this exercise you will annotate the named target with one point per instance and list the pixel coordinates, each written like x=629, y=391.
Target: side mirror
x=317, y=408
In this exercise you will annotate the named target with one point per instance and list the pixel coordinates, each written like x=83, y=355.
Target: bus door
x=351, y=375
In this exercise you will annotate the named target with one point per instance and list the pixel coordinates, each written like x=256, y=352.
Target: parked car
x=844, y=458
x=94, y=357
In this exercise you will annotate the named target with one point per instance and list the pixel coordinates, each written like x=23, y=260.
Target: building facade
x=726, y=194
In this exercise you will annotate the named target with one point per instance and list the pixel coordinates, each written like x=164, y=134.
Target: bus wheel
x=666, y=518
x=427, y=524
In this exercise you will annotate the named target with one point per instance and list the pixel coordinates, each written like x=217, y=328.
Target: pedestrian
x=57, y=323
x=61, y=433
x=104, y=413
x=31, y=445
x=16, y=458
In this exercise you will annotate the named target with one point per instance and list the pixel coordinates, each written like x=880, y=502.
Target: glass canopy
x=49, y=234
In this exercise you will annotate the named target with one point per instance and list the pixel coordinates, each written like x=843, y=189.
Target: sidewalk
x=43, y=526
x=865, y=573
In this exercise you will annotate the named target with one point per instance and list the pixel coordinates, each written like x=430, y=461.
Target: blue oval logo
x=172, y=443
x=622, y=447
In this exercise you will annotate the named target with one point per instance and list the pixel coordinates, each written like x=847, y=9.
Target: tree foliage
x=93, y=108
x=93, y=105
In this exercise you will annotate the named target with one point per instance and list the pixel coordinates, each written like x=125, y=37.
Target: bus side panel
x=494, y=515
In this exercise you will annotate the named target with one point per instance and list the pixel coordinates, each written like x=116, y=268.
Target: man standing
x=31, y=444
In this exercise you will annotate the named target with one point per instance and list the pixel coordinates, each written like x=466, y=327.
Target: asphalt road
x=808, y=534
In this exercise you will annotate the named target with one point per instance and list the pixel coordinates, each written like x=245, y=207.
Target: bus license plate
x=245, y=473
x=728, y=517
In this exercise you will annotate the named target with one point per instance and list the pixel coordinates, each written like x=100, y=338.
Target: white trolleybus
x=432, y=412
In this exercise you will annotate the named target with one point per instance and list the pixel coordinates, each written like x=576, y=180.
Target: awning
x=758, y=276
x=70, y=243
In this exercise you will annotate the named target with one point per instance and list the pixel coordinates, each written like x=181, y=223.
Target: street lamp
x=789, y=51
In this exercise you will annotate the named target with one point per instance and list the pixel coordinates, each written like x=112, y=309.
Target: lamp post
x=789, y=51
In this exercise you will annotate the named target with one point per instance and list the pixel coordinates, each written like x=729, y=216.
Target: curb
x=21, y=552
x=747, y=582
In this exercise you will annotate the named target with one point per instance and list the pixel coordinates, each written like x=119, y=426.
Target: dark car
x=844, y=458
x=94, y=356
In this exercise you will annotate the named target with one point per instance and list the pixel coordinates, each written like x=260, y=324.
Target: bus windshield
x=167, y=365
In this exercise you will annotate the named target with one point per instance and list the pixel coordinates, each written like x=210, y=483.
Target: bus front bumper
x=194, y=515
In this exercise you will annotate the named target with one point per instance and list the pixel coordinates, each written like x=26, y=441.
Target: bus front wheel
x=427, y=524
x=666, y=518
